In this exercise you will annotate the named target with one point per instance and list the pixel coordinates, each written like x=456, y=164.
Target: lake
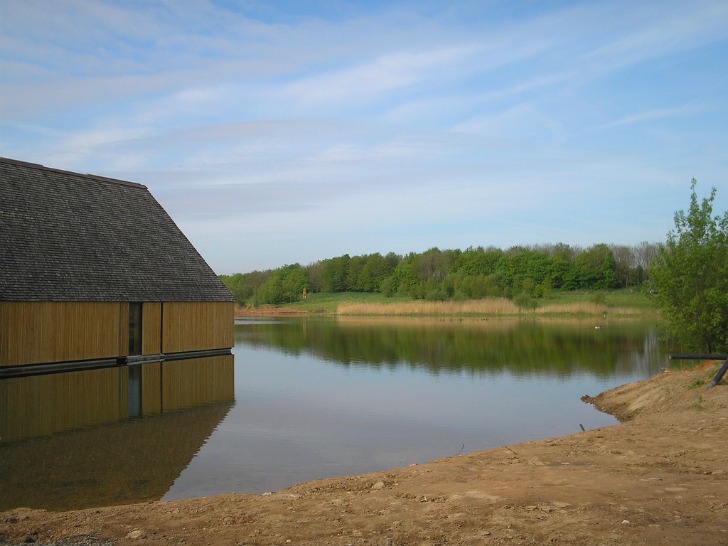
x=324, y=397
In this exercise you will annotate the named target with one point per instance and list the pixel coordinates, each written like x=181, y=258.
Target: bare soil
x=659, y=477
x=267, y=311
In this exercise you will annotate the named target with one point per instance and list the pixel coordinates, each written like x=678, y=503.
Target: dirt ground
x=660, y=477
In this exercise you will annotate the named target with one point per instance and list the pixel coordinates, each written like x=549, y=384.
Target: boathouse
x=95, y=274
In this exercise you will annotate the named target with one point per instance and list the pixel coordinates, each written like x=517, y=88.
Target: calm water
x=316, y=398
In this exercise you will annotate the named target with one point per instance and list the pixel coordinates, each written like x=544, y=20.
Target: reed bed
x=485, y=307
x=585, y=308
x=491, y=307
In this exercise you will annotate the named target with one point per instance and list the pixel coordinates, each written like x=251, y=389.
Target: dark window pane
x=135, y=328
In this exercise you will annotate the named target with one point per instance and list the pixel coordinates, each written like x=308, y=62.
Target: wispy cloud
x=652, y=115
x=276, y=133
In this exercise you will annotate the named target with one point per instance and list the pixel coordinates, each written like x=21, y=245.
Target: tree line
x=688, y=274
x=521, y=273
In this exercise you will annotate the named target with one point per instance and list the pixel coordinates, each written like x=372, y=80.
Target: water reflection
x=474, y=346
x=66, y=441
x=318, y=397
x=314, y=398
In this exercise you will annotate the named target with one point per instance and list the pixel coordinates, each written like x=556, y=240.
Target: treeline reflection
x=475, y=346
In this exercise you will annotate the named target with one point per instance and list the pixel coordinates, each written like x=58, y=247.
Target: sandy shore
x=660, y=477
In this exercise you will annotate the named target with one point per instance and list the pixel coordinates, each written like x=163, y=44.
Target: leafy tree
x=477, y=261
x=452, y=274
x=596, y=268
x=373, y=272
x=476, y=287
x=315, y=277
x=285, y=285
x=402, y=281
x=431, y=265
x=560, y=272
x=690, y=275
x=335, y=274
x=353, y=273
x=244, y=285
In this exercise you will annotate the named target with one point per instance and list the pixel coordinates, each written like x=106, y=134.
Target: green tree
x=690, y=275
x=561, y=272
x=335, y=274
x=244, y=286
x=373, y=273
x=596, y=268
x=402, y=281
x=285, y=285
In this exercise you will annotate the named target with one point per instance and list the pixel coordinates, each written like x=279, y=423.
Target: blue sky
x=289, y=132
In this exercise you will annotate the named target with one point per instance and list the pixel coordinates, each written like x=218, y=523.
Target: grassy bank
x=578, y=303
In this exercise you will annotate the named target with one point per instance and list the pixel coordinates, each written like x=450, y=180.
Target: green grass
x=625, y=297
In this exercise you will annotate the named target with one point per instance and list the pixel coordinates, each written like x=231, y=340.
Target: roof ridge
x=89, y=176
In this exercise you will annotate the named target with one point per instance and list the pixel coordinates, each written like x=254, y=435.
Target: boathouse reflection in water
x=51, y=426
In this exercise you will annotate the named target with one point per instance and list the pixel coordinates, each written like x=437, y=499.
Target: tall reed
x=496, y=306
x=484, y=307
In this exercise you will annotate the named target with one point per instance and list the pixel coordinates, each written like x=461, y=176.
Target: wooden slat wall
x=123, y=332
x=188, y=383
x=193, y=326
x=44, y=404
x=38, y=332
x=151, y=328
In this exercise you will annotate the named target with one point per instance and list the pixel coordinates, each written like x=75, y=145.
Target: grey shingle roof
x=72, y=237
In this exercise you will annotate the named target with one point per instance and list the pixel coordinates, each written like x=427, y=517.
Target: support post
x=719, y=375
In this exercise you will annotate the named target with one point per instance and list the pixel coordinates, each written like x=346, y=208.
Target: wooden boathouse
x=95, y=274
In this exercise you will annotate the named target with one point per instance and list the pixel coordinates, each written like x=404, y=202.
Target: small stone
x=377, y=486
x=135, y=534
x=625, y=522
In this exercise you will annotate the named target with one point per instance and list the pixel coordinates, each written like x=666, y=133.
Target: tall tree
x=335, y=273
x=595, y=268
x=690, y=275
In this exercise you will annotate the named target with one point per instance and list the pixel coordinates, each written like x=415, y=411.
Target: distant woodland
x=522, y=273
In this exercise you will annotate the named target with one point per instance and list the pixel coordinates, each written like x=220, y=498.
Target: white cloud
x=651, y=115
x=654, y=30
x=389, y=127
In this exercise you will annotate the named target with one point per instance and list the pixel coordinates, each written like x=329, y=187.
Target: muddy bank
x=267, y=311
x=660, y=477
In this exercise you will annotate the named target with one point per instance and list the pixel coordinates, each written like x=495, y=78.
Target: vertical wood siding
x=123, y=332
x=192, y=326
x=37, y=332
x=152, y=328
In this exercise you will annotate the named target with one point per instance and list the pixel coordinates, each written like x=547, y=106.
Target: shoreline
x=395, y=311
x=660, y=476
